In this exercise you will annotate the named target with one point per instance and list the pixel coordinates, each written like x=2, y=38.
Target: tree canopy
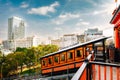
x=24, y=56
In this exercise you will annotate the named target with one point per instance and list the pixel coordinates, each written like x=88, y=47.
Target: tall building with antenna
x=16, y=28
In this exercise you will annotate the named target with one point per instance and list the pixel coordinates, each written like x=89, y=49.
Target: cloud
x=106, y=9
x=24, y=5
x=44, y=10
x=83, y=23
x=65, y=17
x=92, y=2
x=57, y=28
x=69, y=15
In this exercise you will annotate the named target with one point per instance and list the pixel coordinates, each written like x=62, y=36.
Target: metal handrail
x=80, y=71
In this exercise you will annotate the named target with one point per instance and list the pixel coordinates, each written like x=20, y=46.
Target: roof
x=69, y=35
x=115, y=14
x=77, y=45
x=58, y=76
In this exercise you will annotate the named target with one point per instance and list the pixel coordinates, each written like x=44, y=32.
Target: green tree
x=12, y=62
x=0, y=53
x=50, y=49
x=2, y=59
x=20, y=59
x=21, y=50
x=30, y=58
x=24, y=56
x=9, y=66
x=46, y=49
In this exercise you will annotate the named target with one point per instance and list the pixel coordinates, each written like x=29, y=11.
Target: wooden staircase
x=99, y=57
x=100, y=54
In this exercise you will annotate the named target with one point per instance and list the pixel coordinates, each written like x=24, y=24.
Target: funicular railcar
x=68, y=60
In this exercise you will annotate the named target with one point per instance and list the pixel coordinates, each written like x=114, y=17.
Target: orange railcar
x=68, y=60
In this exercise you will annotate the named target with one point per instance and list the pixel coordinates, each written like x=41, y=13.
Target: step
x=99, y=55
x=99, y=60
x=99, y=52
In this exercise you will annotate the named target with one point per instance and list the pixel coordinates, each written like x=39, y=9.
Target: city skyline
x=57, y=17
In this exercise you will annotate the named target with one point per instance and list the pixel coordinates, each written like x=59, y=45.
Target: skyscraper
x=16, y=35
x=16, y=28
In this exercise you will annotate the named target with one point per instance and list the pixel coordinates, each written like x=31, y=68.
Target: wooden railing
x=105, y=71
x=91, y=70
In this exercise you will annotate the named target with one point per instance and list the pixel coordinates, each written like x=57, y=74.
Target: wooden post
x=116, y=38
x=104, y=54
x=105, y=76
x=99, y=73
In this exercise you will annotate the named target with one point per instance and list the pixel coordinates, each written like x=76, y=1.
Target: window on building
x=62, y=57
x=78, y=54
x=70, y=55
x=56, y=59
x=49, y=60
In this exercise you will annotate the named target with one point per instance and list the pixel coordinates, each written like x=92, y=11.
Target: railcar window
x=70, y=55
x=63, y=57
x=43, y=63
x=49, y=61
x=56, y=59
x=79, y=54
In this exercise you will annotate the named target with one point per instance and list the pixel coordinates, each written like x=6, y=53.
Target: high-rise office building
x=16, y=28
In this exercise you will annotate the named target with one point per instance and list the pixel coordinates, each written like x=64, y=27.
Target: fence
x=91, y=70
x=105, y=71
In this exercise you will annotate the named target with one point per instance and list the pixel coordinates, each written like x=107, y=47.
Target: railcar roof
x=114, y=15
x=77, y=45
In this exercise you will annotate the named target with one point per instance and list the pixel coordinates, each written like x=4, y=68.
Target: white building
x=34, y=41
x=80, y=38
x=68, y=40
x=16, y=28
x=6, y=44
x=22, y=43
x=56, y=42
x=91, y=34
x=6, y=51
x=27, y=42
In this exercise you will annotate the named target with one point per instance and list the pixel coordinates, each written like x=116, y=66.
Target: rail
x=82, y=71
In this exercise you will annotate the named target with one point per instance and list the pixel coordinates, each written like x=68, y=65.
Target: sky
x=54, y=18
